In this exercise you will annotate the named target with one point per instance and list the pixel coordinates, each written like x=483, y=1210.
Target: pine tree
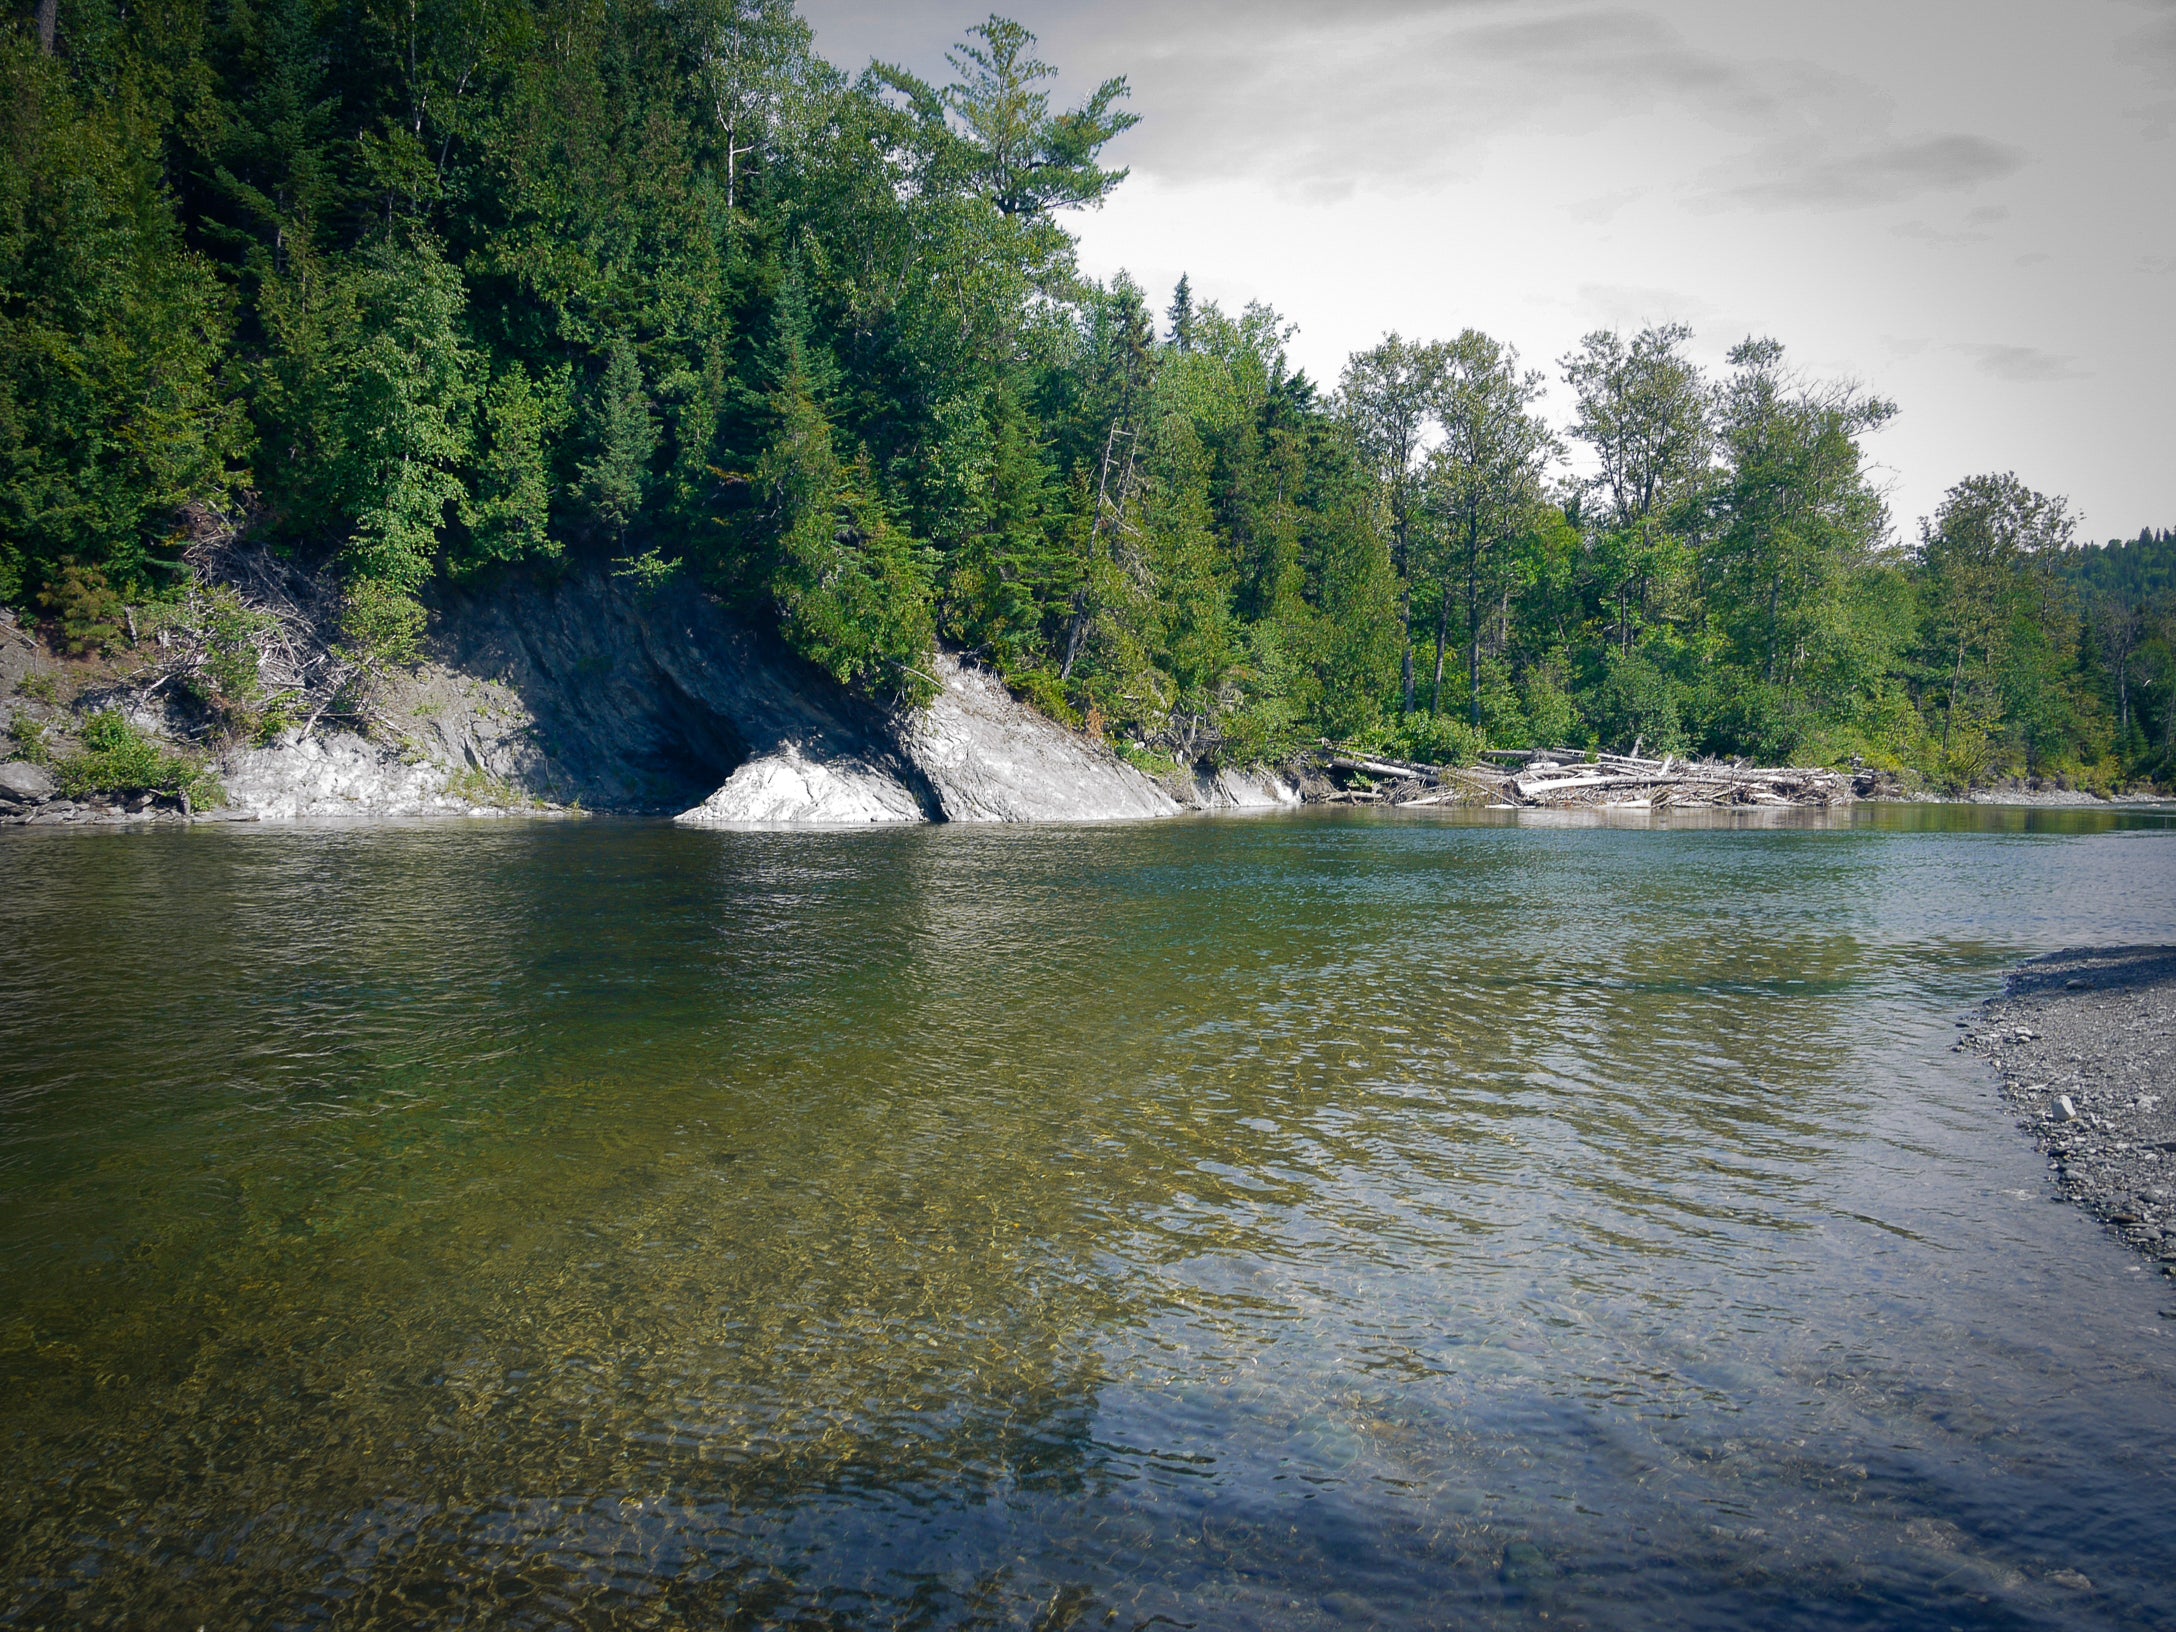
x=615, y=480
x=852, y=589
x=1181, y=315
x=509, y=517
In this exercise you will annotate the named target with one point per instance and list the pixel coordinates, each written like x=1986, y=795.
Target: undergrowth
x=116, y=758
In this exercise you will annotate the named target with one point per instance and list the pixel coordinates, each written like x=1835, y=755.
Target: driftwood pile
x=1557, y=779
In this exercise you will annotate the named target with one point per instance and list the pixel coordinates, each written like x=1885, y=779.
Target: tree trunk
x=1775, y=594
x=1083, y=602
x=1473, y=624
x=1949, y=714
x=1443, y=636
x=1405, y=627
x=48, y=25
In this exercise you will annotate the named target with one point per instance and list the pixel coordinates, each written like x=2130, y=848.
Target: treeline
x=449, y=288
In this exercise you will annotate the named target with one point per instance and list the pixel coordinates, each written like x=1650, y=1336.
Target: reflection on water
x=1291, y=1223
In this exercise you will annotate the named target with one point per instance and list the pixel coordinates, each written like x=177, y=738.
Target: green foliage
x=381, y=624
x=1636, y=708
x=616, y=478
x=85, y=607
x=29, y=739
x=1548, y=710
x=1025, y=159
x=116, y=758
x=112, y=416
x=1426, y=739
x=509, y=517
x=471, y=286
x=371, y=393
x=853, y=591
x=229, y=630
x=1484, y=483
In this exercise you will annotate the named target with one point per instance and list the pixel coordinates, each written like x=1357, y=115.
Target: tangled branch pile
x=250, y=638
x=1541, y=778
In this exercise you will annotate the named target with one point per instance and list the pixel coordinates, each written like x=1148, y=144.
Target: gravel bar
x=2086, y=1044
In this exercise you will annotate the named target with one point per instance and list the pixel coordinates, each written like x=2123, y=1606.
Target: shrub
x=1427, y=739
x=1636, y=705
x=229, y=629
x=87, y=608
x=29, y=739
x=117, y=758
x=1143, y=758
x=1552, y=717
x=1041, y=689
x=381, y=624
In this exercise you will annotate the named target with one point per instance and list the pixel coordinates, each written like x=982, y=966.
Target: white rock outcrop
x=551, y=691
x=338, y=775
x=1252, y=790
x=987, y=757
x=788, y=789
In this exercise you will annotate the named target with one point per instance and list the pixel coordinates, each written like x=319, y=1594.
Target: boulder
x=1256, y=789
x=25, y=782
x=786, y=788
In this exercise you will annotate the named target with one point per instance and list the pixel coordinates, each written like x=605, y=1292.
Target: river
x=1327, y=1220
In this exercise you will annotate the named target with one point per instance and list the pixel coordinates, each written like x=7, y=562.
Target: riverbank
x=552, y=695
x=2086, y=1045
x=578, y=693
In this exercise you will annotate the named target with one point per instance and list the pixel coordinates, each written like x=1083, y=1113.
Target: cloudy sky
x=1969, y=205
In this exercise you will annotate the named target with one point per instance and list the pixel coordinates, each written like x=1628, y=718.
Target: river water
x=1304, y=1222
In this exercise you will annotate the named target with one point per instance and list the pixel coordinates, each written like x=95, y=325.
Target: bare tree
x=2120, y=622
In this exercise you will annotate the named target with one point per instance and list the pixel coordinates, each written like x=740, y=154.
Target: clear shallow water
x=1304, y=1222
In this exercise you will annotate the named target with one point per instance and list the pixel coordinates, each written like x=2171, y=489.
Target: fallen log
x=1536, y=778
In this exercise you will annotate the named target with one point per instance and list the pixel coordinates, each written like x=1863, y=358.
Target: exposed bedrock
x=583, y=690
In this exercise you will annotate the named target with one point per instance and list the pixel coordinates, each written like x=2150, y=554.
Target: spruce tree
x=1181, y=315
x=616, y=478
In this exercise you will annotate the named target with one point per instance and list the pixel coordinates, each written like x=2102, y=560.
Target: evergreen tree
x=615, y=479
x=509, y=518
x=1181, y=315
x=1027, y=160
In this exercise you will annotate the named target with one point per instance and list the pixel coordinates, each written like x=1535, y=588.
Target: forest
x=434, y=291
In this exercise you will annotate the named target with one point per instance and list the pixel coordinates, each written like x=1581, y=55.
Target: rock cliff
x=552, y=693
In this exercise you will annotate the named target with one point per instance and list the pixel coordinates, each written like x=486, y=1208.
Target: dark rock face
x=628, y=702
x=2086, y=1044
x=582, y=689
x=543, y=692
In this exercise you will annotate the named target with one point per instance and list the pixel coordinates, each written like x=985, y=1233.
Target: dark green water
x=1291, y=1223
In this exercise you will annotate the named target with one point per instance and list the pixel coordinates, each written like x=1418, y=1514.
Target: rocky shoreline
x=2085, y=1042
x=576, y=693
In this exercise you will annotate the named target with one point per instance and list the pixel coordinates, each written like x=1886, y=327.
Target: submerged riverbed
x=1314, y=1221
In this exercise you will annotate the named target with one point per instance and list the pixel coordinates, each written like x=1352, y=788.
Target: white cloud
x=1885, y=174
x=2021, y=365
x=1990, y=182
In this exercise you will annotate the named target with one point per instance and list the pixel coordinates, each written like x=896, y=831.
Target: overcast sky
x=1969, y=205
